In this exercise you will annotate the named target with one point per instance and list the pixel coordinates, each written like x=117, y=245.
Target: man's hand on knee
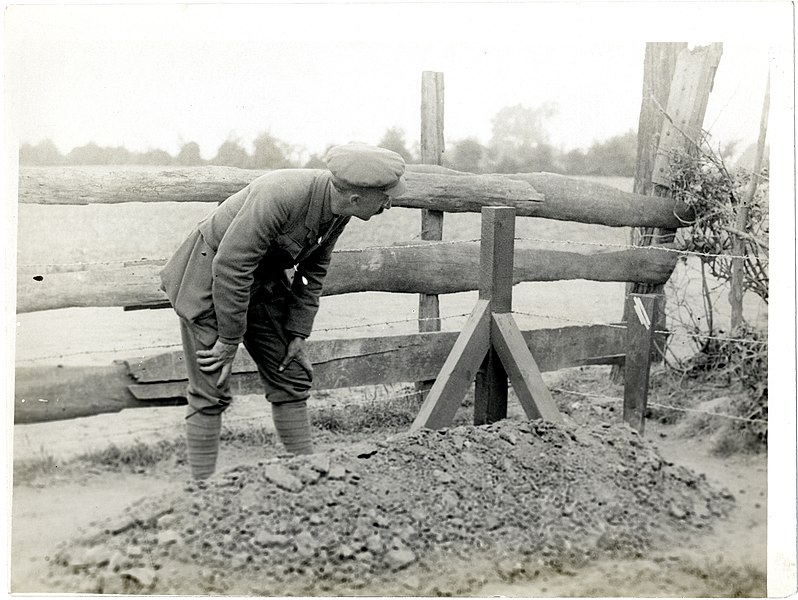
x=219, y=357
x=296, y=351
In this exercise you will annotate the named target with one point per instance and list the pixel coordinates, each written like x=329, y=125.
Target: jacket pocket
x=288, y=244
x=187, y=278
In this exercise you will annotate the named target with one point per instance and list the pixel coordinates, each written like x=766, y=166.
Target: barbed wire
x=661, y=331
x=102, y=351
x=134, y=262
x=408, y=320
x=632, y=246
x=178, y=345
x=666, y=406
x=52, y=268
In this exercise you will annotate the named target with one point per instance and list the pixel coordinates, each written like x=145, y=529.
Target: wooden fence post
x=496, y=262
x=677, y=82
x=640, y=327
x=432, y=147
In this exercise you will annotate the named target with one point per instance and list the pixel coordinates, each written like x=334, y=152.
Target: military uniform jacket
x=279, y=221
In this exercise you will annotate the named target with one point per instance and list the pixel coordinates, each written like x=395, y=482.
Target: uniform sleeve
x=247, y=239
x=305, y=304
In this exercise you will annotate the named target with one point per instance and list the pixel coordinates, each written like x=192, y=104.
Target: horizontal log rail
x=542, y=195
x=50, y=393
x=440, y=268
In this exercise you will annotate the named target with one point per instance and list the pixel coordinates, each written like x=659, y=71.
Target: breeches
x=265, y=340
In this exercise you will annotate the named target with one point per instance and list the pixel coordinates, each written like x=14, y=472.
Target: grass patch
x=26, y=471
x=138, y=455
x=725, y=581
x=389, y=415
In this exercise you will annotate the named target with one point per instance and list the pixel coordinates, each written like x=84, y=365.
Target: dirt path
x=738, y=542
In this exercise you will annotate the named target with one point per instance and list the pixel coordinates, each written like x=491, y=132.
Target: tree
x=231, y=154
x=43, y=153
x=467, y=155
x=574, y=162
x=270, y=153
x=394, y=139
x=519, y=141
x=90, y=154
x=615, y=156
x=189, y=155
x=156, y=157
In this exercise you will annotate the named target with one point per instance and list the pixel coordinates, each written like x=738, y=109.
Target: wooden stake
x=457, y=372
x=522, y=369
x=495, y=284
x=640, y=327
x=431, y=220
x=432, y=147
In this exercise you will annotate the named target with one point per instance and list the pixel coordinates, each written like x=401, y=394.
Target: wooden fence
x=46, y=393
x=76, y=391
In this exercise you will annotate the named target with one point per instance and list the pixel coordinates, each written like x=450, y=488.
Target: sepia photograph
x=400, y=299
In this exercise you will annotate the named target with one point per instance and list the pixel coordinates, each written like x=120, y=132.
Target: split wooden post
x=640, y=328
x=490, y=338
x=432, y=147
x=431, y=154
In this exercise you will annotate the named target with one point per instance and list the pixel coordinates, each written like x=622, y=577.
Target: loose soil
x=518, y=508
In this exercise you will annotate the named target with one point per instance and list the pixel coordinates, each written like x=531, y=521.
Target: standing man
x=252, y=272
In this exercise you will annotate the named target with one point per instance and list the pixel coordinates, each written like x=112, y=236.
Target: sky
x=158, y=76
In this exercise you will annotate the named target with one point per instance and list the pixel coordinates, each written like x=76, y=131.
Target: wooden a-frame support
x=490, y=348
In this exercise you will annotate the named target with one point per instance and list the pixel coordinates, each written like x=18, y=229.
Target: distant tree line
x=519, y=143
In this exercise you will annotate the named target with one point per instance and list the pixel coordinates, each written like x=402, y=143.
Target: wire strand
x=666, y=406
x=632, y=246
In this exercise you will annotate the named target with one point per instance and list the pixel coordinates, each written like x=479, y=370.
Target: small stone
x=449, y=499
x=456, y=522
x=320, y=463
x=316, y=519
x=374, y=544
x=143, y=575
x=508, y=437
x=337, y=472
x=442, y=476
x=96, y=555
x=267, y=539
x=134, y=551
x=676, y=511
x=364, y=557
x=166, y=521
x=282, y=478
x=492, y=523
x=411, y=582
x=306, y=544
x=117, y=561
x=380, y=521
x=419, y=514
x=308, y=476
x=345, y=552
x=469, y=459
x=399, y=559
x=168, y=537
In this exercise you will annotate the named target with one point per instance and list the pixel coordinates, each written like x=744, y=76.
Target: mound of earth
x=394, y=518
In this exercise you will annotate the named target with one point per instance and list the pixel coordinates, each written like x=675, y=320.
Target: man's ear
x=354, y=199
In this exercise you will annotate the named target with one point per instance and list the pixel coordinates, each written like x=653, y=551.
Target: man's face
x=370, y=203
